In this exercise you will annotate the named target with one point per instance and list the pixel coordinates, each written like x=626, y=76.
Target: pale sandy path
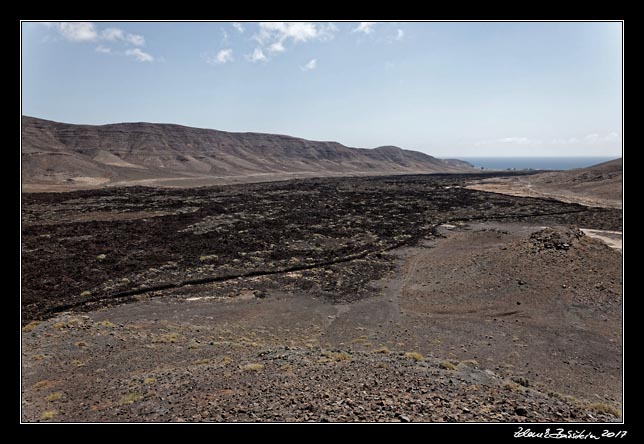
x=611, y=238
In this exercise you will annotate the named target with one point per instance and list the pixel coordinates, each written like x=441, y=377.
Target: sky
x=448, y=89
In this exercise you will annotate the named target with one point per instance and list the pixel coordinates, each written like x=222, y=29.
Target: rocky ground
x=189, y=374
x=379, y=299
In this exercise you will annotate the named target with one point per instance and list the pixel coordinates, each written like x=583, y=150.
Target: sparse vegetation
x=30, y=326
x=129, y=398
x=60, y=325
x=86, y=294
x=107, y=323
x=521, y=381
x=600, y=407
x=382, y=349
x=512, y=386
x=447, y=365
x=201, y=362
x=597, y=407
x=167, y=338
x=336, y=356
x=253, y=367
x=149, y=380
x=414, y=355
x=54, y=396
x=42, y=384
x=251, y=344
x=49, y=414
x=470, y=363
x=566, y=398
x=80, y=344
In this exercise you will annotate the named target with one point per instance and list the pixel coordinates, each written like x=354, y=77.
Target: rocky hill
x=597, y=185
x=602, y=181
x=61, y=154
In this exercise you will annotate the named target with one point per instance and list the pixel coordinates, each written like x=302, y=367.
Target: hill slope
x=137, y=153
x=597, y=185
x=602, y=181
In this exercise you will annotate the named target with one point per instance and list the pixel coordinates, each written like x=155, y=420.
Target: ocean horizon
x=535, y=163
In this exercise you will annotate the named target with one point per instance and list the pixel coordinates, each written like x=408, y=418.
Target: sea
x=534, y=163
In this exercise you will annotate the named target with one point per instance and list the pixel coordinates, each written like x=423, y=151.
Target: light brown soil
x=521, y=187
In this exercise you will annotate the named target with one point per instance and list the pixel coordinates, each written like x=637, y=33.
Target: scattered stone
x=520, y=411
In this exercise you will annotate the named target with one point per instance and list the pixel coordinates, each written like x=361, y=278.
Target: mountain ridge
x=63, y=154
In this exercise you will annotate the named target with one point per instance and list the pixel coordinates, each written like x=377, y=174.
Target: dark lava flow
x=87, y=248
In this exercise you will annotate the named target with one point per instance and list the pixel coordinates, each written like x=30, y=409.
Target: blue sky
x=447, y=89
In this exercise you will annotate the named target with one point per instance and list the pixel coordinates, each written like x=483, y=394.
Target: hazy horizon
x=444, y=88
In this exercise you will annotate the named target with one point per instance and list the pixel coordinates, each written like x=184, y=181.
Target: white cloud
x=222, y=57
x=139, y=55
x=77, y=31
x=112, y=34
x=599, y=138
x=510, y=141
x=592, y=138
x=364, y=27
x=219, y=58
x=565, y=141
x=273, y=36
x=87, y=32
x=281, y=31
x=257, y=56
x=327, y=31
x=276, y=47
x=518, y=140
x=103, y=49
x=239, y=27
x=135, y=39
x=311, y=64
x=397, y=37
x=578, y=141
